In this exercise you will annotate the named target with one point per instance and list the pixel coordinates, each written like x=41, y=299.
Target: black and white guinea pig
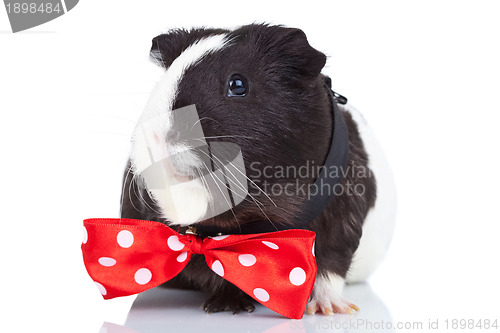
x=261, y=88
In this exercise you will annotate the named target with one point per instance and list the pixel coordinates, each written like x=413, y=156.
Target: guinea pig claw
x=312, y=308
x=327, y=311
x=331, y=307
x=346, y=308
x=354, y=307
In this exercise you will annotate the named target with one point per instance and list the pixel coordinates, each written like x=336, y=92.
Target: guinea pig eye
x=237, y=86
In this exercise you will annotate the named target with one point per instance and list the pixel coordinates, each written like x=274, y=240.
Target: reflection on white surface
x=168, y=310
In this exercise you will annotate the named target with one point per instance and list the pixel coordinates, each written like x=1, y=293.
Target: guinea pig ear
x=167, y=47
x=294, y=53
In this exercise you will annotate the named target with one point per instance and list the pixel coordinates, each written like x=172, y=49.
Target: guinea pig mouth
x=178, y=170
x=183, y=178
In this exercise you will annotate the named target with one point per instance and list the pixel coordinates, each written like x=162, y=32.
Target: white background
x=425, y=74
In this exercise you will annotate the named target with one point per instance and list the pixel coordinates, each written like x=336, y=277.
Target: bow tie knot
x=193, y=242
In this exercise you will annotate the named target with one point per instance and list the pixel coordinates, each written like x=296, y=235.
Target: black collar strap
x=324, y=186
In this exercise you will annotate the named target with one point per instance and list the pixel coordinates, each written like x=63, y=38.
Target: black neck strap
x=324, y=188
x=321, y=192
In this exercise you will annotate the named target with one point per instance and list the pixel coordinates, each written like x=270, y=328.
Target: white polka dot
x=314, y=245
x=101, y=288
x=85, y=236
x=107, y=262
x=297, y=276
x=174, y=244
x=221, y=237
x=143, y=276
x=125, y=238
x=247, y=260
x=271, y=245
x=217, y=268
x=261, y=294
x=182, y=257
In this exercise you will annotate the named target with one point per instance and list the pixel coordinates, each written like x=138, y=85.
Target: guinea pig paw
x=330, y=306
x=216, y=303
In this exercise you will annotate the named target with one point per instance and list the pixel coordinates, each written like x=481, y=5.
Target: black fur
x=285, y=120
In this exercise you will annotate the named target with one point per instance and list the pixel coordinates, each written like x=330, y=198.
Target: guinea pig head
x=257, y=88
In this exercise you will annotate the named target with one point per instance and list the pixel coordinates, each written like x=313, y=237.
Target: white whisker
x=255, y=200
x=254, y=184
x=228, y=136
x=130, y=196
x=204, y=182
x=240, y=186
x=203, y=119
x=141, y=198
x=222, y=193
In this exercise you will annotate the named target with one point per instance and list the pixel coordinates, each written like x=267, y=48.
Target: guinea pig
x=260, y=87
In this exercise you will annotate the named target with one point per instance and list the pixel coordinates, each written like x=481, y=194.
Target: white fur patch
x=380, y=221
x=186, y=202
x=327, y=296
x=330, y=286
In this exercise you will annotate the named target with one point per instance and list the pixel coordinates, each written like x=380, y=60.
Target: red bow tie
x=126, y=257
